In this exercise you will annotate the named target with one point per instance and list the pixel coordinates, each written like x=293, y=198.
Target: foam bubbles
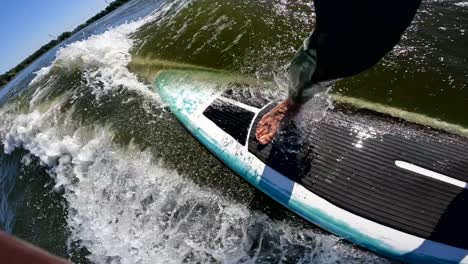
x=125, y=207
x=103, y=60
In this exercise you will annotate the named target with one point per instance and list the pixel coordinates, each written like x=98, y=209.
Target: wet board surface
x=388, y=185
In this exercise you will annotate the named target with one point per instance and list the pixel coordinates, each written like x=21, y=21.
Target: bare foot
x=267, y=127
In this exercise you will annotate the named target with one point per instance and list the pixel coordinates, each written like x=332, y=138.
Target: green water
x=134, y=186
x=426, y=73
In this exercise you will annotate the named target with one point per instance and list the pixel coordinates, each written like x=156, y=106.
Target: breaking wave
x=125, y=207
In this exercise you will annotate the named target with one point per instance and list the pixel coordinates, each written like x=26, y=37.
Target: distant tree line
x=9, y=75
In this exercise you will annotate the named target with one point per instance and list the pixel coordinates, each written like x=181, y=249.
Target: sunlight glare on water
x=136, y=187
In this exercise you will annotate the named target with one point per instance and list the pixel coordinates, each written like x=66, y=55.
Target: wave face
x=93, y=168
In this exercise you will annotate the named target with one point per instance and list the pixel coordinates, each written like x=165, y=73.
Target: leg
x=300, y=75
x=350, y=37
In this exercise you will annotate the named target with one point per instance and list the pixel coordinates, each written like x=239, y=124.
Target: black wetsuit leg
x=350, y=36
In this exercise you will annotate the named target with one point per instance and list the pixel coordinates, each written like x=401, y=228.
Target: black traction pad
x=232, y=119
x=348, y=158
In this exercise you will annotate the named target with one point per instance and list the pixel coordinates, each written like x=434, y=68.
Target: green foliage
x=9, y=75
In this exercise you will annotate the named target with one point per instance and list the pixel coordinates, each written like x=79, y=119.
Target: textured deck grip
x=358, y=173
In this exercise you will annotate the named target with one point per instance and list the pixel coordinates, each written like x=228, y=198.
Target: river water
x=93, y=167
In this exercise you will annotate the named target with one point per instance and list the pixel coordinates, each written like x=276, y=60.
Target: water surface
x=93, y=167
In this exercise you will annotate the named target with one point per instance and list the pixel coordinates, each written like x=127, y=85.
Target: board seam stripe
x=431, y=174
x=239, y=104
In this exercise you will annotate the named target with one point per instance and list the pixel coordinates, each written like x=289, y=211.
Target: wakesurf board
x=388, y=185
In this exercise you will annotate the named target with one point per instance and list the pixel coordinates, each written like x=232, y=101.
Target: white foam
x=40, y=74
x=26, y=133
x=103, y=59
x=124, y=207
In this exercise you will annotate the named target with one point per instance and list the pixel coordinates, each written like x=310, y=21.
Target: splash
x=103, y=58
x=316, y=108
x=462, y=4
x=362, y=134
x=125, y=207
x=405, y=115
x=123, y=204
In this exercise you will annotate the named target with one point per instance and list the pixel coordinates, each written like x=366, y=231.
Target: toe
x=266, y=138
x=261, y=130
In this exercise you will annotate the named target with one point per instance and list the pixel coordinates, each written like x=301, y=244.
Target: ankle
x=291, y=104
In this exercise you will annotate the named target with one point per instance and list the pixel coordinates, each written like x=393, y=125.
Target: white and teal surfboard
x=399, y=195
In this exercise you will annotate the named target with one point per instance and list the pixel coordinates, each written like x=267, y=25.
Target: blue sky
x=26, y=25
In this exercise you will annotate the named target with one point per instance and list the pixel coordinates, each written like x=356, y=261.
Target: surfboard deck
x=390, y=186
